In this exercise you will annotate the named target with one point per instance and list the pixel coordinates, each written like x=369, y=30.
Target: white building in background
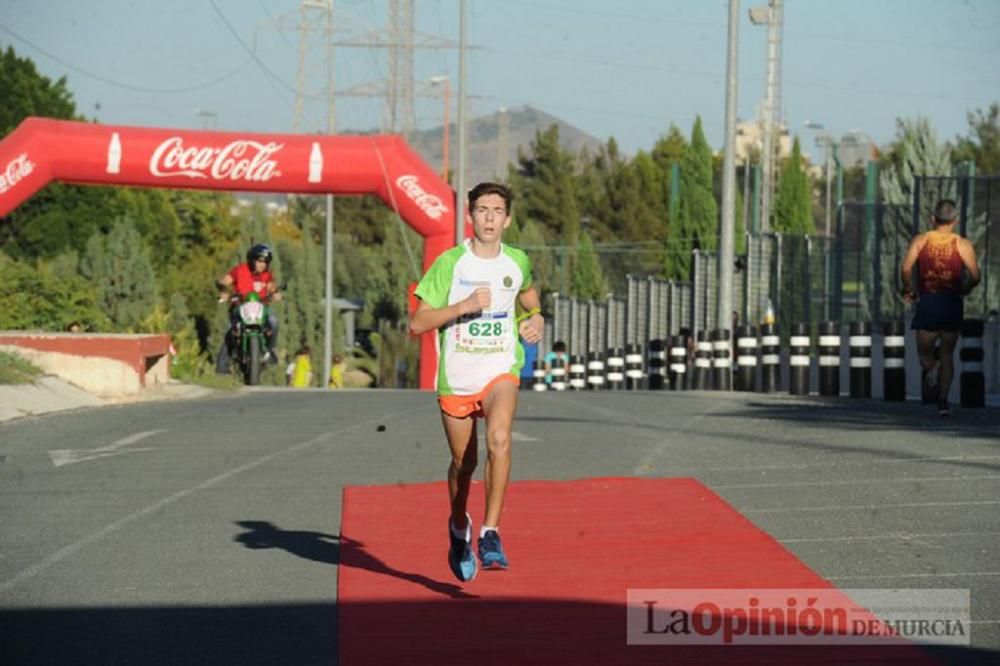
x=750, y=141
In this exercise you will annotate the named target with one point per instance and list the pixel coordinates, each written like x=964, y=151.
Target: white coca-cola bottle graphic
x=315, y=164
x=114, y=154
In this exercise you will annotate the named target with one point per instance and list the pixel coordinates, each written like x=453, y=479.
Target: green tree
x=25, y=93
x=793, y=199
x=588, y=280
x=39, y=299
x=697, y=223
x=543, y=182
x=544, y=265
x=118, y=264
x=915, y=151
x=982, y=145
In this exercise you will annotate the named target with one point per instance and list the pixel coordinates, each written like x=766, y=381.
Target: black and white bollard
x=770, y=358
x=746, y=358
x=678, y=363
x=558, y=374
x=657, y=364
x=798, y=360
x=538, y=372
x=595, y=371
x=893, y=361
x=722, y=363
x=829, y=358
x=634, y=373
x=860, y=342
x=616, y=368
x=702, y=363
x=972, y=380
x=577, y=373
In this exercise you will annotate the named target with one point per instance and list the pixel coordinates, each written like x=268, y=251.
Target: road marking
x=691, y=471
x=79, y=544
x=957, y=574
x=855, y=482
x=875, y=537
x=872, y=507
x=62, y=457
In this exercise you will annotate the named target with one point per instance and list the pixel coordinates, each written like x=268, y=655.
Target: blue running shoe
x=461, y=561
x=491, y=551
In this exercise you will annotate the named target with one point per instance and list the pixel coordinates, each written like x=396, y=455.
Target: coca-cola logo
x=427, y=202
x=18, y=168
x=238, y=160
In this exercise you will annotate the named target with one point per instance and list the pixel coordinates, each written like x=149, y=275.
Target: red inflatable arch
x=41, y=150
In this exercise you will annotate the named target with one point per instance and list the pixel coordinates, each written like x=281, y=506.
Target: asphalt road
x=127, y=532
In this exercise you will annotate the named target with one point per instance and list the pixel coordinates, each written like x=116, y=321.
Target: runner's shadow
x=333, y=549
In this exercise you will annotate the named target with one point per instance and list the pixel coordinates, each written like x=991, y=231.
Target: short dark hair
x=482, y=189
x=559, y=346
x=945, y=211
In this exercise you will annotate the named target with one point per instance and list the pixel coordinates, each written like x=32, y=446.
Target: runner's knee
x=498, y=442
x=464, y=466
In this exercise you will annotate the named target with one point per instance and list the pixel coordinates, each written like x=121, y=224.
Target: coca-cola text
x=427, y=202
x=238, y=160
x=18, y=168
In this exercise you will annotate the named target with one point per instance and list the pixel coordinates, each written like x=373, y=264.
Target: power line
x=119, y=84
x=260, y=63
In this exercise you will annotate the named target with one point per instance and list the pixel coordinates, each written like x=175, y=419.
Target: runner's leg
x=498, y=406
x=462, y=441
x=925, y=349
x=946, y=371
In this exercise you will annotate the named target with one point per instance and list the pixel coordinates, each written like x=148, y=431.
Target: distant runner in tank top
x=947, y=272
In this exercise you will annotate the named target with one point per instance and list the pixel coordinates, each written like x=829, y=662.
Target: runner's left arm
x=968, y=254
x=532, y=327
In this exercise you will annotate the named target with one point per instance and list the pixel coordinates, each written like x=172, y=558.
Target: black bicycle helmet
x=259, y=251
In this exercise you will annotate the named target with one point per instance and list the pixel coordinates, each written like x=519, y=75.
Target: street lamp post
x=445, y=84
x=824, y=139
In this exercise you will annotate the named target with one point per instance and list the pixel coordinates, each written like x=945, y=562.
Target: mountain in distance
x=483, y=161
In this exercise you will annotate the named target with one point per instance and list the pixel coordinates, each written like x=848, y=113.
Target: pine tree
x=793, y=199
x=588, y=280
x=544, y=187
x=119, y=265
x=698, y=219
x=915, y=152
x=543, y=260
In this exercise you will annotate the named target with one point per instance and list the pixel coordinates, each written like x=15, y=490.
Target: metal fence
x=851, y=277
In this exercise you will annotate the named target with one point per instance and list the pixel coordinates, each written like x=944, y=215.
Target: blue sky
x=623, y=69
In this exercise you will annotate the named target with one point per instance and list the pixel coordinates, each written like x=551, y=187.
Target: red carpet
x=575, y=549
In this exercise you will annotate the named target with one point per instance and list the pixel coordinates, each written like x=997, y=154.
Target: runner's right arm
x=906, y=269
x=428, y=318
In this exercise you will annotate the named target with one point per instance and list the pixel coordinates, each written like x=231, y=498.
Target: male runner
x=943, y=257
x=469, y=294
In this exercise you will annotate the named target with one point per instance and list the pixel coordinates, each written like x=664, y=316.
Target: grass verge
x=15, y=370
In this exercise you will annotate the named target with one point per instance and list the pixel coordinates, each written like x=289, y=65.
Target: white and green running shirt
x=475, y=349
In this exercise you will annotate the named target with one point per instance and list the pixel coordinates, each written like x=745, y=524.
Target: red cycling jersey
x=245, y=281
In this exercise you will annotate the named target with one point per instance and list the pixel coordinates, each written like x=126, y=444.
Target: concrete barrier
x=106, y=365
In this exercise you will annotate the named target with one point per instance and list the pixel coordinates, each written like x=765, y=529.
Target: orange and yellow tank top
x=940, y=264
